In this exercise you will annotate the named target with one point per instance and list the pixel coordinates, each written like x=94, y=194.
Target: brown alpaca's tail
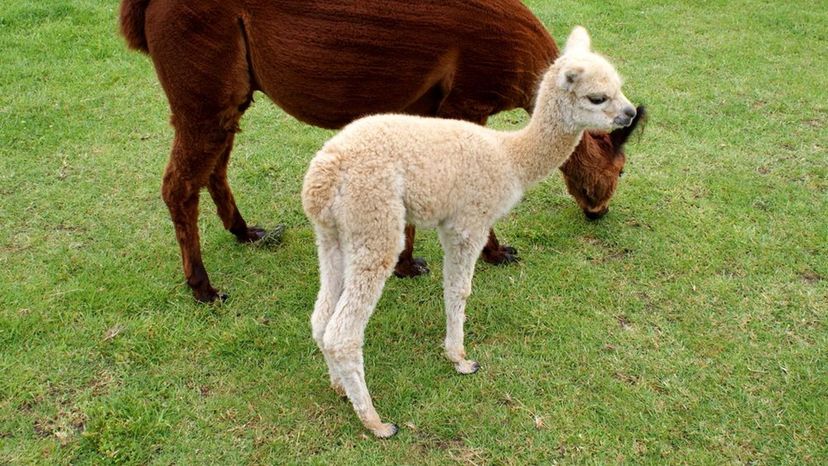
x=132, y=24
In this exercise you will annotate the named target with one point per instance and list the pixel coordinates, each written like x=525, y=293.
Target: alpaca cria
x=383, y=171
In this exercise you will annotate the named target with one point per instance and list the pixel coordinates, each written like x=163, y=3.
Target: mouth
x=622, y=122
x=595, y=215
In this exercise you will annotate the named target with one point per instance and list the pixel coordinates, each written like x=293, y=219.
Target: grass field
x=687, y=326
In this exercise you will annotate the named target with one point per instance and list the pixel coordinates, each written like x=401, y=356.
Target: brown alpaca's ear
x=619, y=136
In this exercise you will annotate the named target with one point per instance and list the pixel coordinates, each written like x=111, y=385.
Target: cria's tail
x=319, y=188
x=132, y=24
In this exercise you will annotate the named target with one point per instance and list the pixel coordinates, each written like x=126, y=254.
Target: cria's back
x=434, y=166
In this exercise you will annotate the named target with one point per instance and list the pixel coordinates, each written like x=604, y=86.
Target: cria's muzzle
x=625, y=118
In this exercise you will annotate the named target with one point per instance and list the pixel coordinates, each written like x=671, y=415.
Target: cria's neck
x=547, y=141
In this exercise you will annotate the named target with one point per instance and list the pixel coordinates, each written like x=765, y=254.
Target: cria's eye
x=597, y=99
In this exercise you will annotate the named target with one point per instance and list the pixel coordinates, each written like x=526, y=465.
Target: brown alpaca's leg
x=226, y=208
x=409, y=266
x=493, y=252
x=200, y=57
x=498, y=254
x=193, y=157
x=429, y=104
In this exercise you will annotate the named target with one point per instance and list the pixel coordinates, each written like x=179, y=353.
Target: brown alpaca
x=327, y=63
x=591, y=173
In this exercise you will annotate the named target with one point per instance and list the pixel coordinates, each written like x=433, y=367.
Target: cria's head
x=592, y=86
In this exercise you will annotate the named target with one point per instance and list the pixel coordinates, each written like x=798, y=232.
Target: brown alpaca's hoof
x=501, y=256
x=209, y=296
x=262, y=237
x=252, y=235
x=411, y=268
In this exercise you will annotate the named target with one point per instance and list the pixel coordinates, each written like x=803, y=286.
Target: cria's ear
x=578, y=41
x=569, y=76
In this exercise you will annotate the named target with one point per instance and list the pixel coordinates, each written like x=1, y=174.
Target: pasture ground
x=688, y=326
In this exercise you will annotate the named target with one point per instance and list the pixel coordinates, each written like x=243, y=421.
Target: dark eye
x=621, y=173
x=597, y=99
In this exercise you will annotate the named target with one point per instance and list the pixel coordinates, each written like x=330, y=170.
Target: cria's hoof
x=467, y=367
x=410, y=269
x=502, y=256
x=386, y=431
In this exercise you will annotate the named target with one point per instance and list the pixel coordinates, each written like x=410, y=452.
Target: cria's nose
x=625, y=118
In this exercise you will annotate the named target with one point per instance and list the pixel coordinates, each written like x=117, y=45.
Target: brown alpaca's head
x=593, y=170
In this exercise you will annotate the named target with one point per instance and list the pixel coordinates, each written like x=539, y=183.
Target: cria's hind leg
x=331, y=276
x=371, y=247
x=461, y=252
x=344, y=337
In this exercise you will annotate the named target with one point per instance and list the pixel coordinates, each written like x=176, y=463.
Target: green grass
x=688, y=326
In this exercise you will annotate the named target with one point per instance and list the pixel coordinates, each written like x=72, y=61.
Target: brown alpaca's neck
x=547, y=141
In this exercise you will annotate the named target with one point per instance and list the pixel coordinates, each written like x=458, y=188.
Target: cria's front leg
x=461, y=253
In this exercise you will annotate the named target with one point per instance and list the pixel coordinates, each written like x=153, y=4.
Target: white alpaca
x=383, y=171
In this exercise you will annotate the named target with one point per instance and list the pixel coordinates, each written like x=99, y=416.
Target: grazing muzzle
x=595, y=215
